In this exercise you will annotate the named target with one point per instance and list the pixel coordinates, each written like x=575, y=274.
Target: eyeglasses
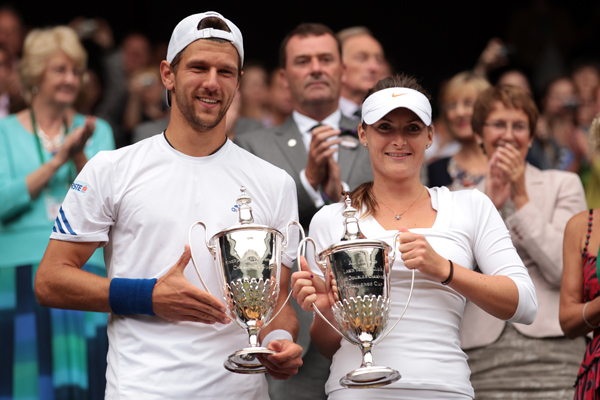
x=502, y=126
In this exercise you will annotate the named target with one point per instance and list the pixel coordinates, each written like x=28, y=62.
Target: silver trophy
x=357, y=272
x=248, y=264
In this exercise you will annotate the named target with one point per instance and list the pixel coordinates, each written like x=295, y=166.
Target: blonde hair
x=594, y=137
x=40, y=45
x=458, y=82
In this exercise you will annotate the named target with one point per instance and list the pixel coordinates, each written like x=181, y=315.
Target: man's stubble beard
x=188, y=110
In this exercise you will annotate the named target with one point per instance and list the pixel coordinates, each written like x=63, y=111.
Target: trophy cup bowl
x=248, y=265
x=357, y=272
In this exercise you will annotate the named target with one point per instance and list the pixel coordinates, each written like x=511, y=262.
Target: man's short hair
x=306, y=29
x=347, y=33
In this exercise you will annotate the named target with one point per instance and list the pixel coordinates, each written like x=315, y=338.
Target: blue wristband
x=131, y=296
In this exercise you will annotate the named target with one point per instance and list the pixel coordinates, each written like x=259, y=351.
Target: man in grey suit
x=317, y=146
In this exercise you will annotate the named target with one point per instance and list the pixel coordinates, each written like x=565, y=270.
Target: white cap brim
x=187, y=32
x=380, y=103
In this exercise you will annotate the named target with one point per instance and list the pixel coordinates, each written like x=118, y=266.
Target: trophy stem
x=367, y=356
x=253, y=334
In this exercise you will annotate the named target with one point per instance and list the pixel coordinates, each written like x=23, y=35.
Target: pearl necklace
x=398, y=216
x=51, y=144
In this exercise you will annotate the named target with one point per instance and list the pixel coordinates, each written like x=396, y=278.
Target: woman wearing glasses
x=510, y=360
x=444, y=236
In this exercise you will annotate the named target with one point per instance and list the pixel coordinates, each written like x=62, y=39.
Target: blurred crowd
x=122, y=85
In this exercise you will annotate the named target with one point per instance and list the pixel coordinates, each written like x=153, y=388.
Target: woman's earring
x=427, y=146
x=480, y=144
x=365, y=144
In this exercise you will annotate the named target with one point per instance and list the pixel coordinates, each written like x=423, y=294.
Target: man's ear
x=167, y=75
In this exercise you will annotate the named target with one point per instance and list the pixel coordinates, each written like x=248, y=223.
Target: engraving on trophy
x=359, y=272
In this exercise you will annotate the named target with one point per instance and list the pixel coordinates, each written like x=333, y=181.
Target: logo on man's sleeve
x=79, y=187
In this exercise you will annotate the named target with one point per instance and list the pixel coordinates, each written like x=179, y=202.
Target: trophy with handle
x=248, y=265
x=357, y=273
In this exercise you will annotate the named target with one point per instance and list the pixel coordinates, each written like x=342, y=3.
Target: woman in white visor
x=444, y=236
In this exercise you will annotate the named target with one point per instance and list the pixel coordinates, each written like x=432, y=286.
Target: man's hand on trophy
x=308, y=289
x=175, y=299
x=286, y=362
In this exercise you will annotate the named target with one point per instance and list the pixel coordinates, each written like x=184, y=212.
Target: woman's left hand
x=417, y=253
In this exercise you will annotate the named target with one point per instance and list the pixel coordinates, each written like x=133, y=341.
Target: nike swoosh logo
x=396, y=95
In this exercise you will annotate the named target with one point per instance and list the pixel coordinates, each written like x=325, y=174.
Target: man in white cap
x=168, y=336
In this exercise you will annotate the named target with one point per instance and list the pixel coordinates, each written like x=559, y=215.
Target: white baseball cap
x=377, y=105
x=187, y=32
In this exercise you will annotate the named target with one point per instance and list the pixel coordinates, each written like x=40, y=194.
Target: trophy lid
x=351, y=222
x=244, y=209
x=245, y=218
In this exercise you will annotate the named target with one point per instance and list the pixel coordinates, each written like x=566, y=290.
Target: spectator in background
x=363, y=66
x=557, y=131
x=280, y=99
x=146, y=100
x=12, y=33
x=46, y=353
x=134, y=53
x=586, y=78
x=468, y=166
x=510, y=360
x=97, y=38
x=6, y=69
x=254, y=98
x=515, y=77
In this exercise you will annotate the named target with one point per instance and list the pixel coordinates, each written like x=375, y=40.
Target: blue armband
x=131, y=296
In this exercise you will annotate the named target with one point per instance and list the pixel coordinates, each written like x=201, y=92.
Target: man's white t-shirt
x=140, y=201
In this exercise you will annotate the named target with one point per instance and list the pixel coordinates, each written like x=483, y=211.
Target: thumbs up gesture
x=175, y=299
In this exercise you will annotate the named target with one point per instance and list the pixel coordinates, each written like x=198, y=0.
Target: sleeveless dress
x=588, y=378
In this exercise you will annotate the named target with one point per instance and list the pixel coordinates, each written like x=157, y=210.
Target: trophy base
x=370, y=377
x=245, y=362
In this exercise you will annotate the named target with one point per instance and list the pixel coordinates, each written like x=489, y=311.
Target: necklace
x=398, y=216
x=49, y=143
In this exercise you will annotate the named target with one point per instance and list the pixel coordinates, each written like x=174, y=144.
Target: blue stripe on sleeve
x=59, y=226
x=64, y=218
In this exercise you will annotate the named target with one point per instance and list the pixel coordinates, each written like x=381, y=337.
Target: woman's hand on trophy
x=286, y=362
x=417, y=253
x=175, y=299
x=308, y=288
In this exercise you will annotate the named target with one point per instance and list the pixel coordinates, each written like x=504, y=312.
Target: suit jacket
x=283, y=146
x=537, y=232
